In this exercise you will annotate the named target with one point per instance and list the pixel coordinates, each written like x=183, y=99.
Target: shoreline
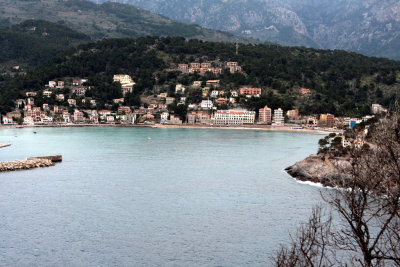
x=184, y=126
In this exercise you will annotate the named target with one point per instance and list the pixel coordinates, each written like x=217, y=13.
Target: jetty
x=4, y=145
x=30, y=163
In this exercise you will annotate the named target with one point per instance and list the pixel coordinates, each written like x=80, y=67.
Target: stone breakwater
x=330, y=172
x=25, y=164
x=4, y=145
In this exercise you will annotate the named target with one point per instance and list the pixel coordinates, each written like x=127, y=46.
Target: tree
x=366, y=231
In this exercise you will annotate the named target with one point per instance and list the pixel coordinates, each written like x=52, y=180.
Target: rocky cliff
x=317, y=169
x=370, y=27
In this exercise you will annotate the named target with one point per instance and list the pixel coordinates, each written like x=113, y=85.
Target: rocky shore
x=330, y=172
x=25, y=164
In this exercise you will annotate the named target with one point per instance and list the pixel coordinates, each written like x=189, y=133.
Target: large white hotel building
x=234, y=117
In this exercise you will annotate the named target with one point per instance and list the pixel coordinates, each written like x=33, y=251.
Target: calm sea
x=151, y=197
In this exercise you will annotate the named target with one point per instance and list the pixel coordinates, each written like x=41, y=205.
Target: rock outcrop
x=329, y=172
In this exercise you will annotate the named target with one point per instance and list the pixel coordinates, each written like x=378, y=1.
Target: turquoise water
x=151, y=197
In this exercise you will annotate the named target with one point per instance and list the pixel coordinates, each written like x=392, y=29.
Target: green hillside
x=107, y=20
x=34, y=41
x=342, y=83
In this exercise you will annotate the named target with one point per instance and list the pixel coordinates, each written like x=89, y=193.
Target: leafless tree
x=366, y=225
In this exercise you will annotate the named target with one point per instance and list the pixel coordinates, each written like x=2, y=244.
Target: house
x=175, y=120
x=233, y=67
x=205, y=65
x=79, y=91
x=221, y=101
x=93, y=102
x=28, y=120
x=206, y=104
x=7, y=120
x=162, y=96
x=118, y=100
x=203, y=118
x=78, y=116
x=213, y=83
x=71, y=102
x=76, y=83
x=250, y=91
x=169, y=100
x=124, y=110
x=66, y=117
x=293, y=114
x=124, y=79
x=52, y=84
x=204, y=91
x=31, y=94
x=197, y=84
x=110, y=119
x=183, y=99
x=376, y=109
x=104, y=113
x=45, y=106
x=60, y=97
x=214, y=93
x=126, y=89
x=46, y=120
x=60, y=85
x=47, y=93
x=183, y=68
x=179, y=89
x=234, y=93
x=164, y=117
x=195, y=65
x=345, y=142
x=191, y=118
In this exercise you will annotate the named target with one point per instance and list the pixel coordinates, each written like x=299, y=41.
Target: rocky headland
x=330, y=172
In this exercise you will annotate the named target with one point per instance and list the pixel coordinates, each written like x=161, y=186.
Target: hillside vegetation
x=108, y=20
x=35, y=41
x=341, y=83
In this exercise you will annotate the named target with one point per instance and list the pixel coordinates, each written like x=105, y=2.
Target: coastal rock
x=330, y=172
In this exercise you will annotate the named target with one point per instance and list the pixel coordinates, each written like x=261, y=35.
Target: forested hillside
x=342, y=83
x=34, y=41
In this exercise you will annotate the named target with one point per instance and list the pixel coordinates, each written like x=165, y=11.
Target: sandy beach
x=187, y=126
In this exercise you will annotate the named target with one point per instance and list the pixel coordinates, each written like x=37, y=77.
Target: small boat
x=34, y=132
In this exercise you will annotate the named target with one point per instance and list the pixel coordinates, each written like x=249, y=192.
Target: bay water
x=152, y=197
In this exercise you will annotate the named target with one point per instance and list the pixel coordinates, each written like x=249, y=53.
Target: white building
x=123, y=79
x=28, y=120
x=376, y=109
x=233, y=117
x=52, y=84
x=278, y=118
x=164, y=117
x=180, y=89
x=7, y=120
x=214, y=93
x=206, y=104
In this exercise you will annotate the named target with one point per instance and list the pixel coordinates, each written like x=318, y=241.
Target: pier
x=30, y=163
x=4, y=145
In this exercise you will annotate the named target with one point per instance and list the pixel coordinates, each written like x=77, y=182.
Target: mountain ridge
x=108, y=20
x=369, y=27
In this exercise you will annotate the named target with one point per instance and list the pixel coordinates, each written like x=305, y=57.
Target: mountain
x=108, y=20
x=370, y=27
x=34, y=41
x=340, y=82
